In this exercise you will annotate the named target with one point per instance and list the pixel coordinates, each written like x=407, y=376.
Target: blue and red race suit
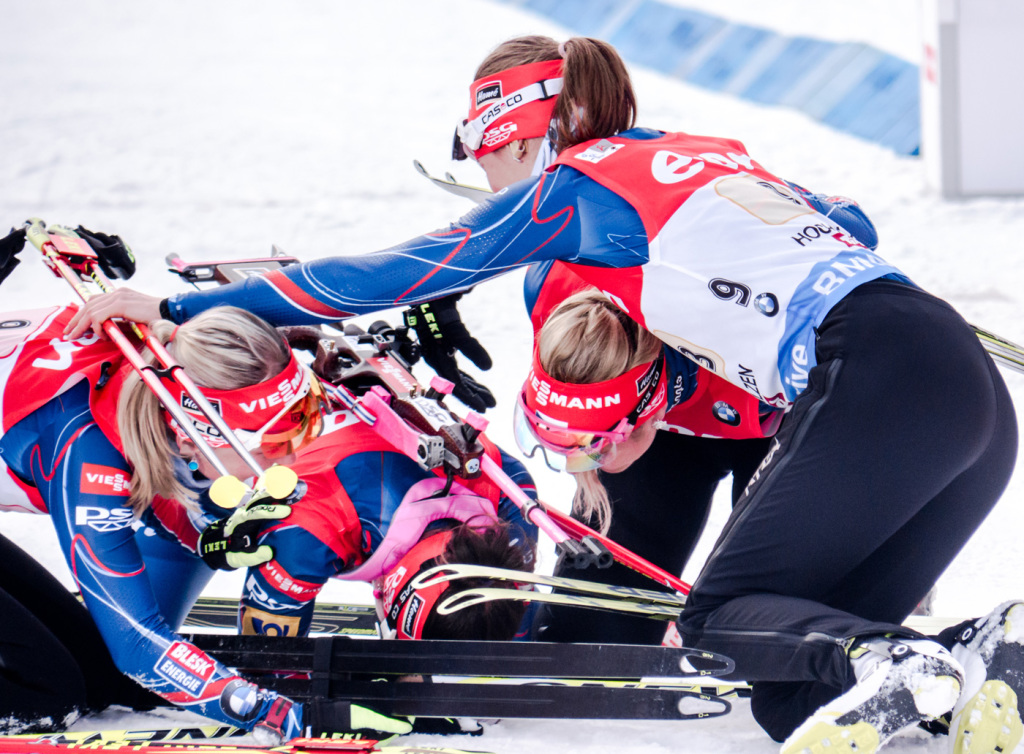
x=725, y=262
x=60, y=454
x=356, y=481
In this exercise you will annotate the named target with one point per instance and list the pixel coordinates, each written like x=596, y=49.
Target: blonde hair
x=587, y=339
x=597, y=98
x=223, y=348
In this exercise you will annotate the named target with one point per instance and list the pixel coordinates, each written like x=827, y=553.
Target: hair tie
x=561, y=48
x=173, y=333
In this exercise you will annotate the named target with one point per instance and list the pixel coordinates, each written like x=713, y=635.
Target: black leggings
x=660, y=505
x=53, y=661
x=887, y=463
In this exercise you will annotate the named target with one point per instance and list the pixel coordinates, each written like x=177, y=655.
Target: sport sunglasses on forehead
x=469, y=134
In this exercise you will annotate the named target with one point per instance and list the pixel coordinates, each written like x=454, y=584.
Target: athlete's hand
x=123, y=302
x=233, y=542
x=441, y=333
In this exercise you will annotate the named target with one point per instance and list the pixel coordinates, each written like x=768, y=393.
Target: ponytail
x=224, y=348
x=587, y=339
x=597, y=99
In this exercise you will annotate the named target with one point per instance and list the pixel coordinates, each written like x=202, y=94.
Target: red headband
x=406, y=609
x=596, y=406
x=514, y=104
x=247, y=408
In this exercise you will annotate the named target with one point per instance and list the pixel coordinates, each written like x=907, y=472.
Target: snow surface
x=215, y=129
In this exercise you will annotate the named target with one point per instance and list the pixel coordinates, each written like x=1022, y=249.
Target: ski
x=476, y=595
x=1003, y=352
x=228, y=271
x=53, y=743
x=328, y=657
x=452, y=186
x=542, y=701
x=197, y=733
x=328, y=618
x=456, y=571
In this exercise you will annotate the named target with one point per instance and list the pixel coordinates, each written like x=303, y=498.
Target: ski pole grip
x=600, y=555
x=573, y=552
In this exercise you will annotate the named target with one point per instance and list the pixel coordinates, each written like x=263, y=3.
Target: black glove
x=441, y=333
x=10, y=245
x=115, y=257
x=233, y=542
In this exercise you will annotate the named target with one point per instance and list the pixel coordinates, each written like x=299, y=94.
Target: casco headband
x=513, y=104
x=596, y=406
x=247, y=408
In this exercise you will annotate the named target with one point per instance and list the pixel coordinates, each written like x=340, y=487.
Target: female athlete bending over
x=84, y=441
x=822, y=557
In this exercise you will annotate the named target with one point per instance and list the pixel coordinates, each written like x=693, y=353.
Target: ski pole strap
x=71, y=258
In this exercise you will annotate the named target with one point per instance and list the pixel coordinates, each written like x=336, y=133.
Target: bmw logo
x=726, y=413
x=767, y=304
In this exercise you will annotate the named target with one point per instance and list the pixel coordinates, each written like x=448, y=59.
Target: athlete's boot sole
x=990, y=722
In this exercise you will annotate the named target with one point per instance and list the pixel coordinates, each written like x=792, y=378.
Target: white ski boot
x=900, y=682
x=987, y=718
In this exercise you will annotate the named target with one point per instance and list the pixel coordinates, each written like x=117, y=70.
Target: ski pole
x=35, y=231
x=176, y=371
x=1002, y=351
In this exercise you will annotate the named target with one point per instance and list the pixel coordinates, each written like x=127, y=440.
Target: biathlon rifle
x=366, y=373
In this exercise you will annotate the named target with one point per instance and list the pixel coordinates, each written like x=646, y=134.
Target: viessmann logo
x=105, y=480
x=546, y=396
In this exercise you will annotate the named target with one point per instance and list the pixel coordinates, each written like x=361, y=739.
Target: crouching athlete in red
x=370, y=513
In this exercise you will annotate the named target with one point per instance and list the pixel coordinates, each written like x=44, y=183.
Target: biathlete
x=731, y=267
x=712, y=429
x=86, y=442
x=372, y=514
x=821, y=560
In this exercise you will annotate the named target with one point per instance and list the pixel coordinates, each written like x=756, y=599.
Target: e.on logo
x=671, y=167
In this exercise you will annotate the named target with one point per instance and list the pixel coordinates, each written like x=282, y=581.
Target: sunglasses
x=565, y=448
x=291, y=429
x=462, y=137
x=469, y=134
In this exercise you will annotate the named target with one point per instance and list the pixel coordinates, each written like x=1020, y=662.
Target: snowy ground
x=215, y=129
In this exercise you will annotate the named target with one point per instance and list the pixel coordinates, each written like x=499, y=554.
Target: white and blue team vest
x=741, y=268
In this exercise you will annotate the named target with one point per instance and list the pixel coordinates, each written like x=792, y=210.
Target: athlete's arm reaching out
x=531, y=221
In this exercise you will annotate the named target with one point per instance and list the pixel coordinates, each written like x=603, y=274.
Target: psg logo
x=726, y=413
